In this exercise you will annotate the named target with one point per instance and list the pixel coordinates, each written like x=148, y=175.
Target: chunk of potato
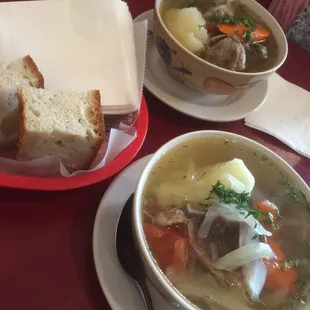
x=187, y=26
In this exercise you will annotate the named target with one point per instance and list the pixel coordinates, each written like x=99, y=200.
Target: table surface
x=46, y=238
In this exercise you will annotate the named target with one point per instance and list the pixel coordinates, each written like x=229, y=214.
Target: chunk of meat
x=218, y=12
x=227, y=53
x=195, y=213
x=170, y=217
x=208, y=251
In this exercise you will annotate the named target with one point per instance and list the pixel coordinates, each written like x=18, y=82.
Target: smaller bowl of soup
x=218, y=46
x=221, y=222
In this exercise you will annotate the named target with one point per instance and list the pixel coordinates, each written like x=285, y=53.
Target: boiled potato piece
x=178, y=189
x=233, y=174
x=187, y=26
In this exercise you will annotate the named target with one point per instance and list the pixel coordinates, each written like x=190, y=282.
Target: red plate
x=113, y=167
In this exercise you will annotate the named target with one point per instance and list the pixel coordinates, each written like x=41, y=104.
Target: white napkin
x=285, y=115
x=77, y=44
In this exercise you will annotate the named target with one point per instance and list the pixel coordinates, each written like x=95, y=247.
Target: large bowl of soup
x=218, y=46
x=222, y=222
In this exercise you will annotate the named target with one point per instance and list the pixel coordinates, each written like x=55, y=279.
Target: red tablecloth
x=46, y=238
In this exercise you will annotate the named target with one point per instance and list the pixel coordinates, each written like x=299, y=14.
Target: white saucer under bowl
x=119, y=290
x=208, y=107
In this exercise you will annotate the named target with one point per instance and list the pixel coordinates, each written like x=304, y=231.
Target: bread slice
x=21, y=72
x=68, y=124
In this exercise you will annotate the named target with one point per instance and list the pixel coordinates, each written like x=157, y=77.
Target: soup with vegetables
x=222, y=238
x=222, y=32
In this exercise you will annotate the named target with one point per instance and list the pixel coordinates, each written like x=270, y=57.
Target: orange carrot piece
x=266, y=206
x=231, y=30
x=259, y=34
x=278, y=278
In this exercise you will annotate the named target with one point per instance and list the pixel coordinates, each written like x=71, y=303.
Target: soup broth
x=225, y=235
x=223, y=32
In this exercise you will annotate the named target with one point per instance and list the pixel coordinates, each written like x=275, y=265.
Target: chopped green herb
x=201, y=26
x=290, y=263
x=247, y=36
x=211, y=236
x=235, y=38
x=203, y=175
x=255, y=237
x=184, y=145
x=227, y=195
x=232, y=20
x=184, y=177
x=258, y=214
x=240, y=200
x=302, y=281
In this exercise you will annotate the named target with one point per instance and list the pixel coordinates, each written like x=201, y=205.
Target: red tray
x=113, y=167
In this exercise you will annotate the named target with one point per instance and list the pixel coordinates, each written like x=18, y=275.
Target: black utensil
x=128, y=254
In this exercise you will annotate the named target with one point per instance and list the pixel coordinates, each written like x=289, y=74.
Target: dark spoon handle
x=147, y=299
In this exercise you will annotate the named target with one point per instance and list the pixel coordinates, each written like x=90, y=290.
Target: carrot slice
x=271, y=214
x=168, y=247
x=231, y=30
x=277, y=278
x=259, y=34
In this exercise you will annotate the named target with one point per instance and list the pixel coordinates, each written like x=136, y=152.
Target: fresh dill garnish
x=289, y=263
x=255, y=237
x=184, y=145
x=234, y=21
x=184, y=177
x=211, y=236
x=299, y=296
x=227, y=195
x=302, y=281
x=201, y=26
x=202, y=175
x=247, y=36
x=240, y=200
x=258, y=214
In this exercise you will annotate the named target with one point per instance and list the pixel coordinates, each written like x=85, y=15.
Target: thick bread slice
x=67, y=124
x=21, y=72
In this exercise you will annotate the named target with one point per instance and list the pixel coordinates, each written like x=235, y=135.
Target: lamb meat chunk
x=227, y=53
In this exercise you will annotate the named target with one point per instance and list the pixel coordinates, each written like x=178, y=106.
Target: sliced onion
x=244, y=256
x=231, y=213
x=254, y=273
x=234, y=183
x=210, y=217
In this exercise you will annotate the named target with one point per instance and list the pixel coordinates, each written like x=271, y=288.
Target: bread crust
x=30, y=64
x=100, y=126
x=97, y=117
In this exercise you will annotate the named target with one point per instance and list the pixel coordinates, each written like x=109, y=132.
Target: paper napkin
x=285, y=114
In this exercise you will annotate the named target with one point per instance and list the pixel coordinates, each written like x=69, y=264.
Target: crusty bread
x=19, y=73
x=67, y=124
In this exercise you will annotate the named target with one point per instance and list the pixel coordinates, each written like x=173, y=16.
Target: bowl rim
x=238, y=73
x=138, y=196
